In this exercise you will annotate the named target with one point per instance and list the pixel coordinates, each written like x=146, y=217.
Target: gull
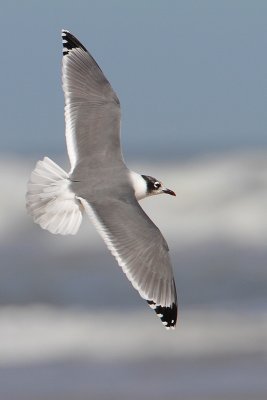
x=100, y=184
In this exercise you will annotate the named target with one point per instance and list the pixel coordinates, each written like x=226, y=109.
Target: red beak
x=169, y=191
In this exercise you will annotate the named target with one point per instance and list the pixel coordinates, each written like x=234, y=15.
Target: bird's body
x=100, y=184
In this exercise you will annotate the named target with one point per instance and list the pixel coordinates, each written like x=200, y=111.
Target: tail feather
x=50, y=201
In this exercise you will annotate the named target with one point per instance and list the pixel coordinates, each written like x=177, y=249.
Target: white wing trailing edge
x=145, y=263
x=92, y=108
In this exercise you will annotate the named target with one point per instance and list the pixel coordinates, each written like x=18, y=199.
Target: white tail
x=50, y=201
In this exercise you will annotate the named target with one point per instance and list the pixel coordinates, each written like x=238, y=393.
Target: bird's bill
x=169, y=191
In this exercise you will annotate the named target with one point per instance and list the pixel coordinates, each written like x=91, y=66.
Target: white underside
x=56, y=208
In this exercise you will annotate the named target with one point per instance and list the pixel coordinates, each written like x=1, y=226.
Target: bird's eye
x=157, y=185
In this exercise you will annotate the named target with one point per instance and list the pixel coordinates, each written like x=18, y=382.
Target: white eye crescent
x=157, y=185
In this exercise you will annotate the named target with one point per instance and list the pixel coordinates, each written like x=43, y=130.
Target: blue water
x=187, y=84
x=191, y=79
x=224, y=379
x=72, y=326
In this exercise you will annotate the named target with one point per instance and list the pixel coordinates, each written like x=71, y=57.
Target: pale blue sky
x=191, y=75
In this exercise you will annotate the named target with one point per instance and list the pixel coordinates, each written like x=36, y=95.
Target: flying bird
x=100, y=184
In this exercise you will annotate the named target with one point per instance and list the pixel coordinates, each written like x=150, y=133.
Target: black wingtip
x=168, y=315
x=70, y=42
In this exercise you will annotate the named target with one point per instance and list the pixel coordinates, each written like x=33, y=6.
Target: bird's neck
x=139, y=184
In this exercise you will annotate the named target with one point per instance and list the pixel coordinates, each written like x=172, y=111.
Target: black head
x=154, y=186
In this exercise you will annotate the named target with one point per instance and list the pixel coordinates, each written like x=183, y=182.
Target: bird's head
x=154, y=186
x=145, y=185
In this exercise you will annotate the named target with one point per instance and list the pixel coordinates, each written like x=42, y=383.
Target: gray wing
x=140, y=250
x=92, y=109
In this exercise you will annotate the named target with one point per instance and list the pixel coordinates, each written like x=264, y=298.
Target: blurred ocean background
x=191, y=77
